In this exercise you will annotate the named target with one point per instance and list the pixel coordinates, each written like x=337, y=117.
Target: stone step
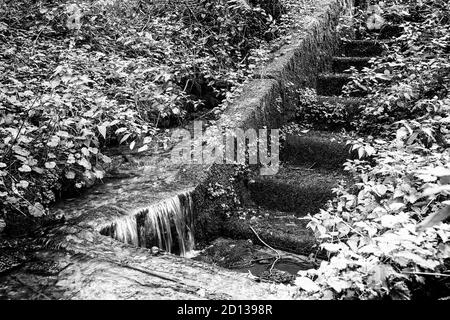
x=343, y=64
x=389, y=32
x=278, y=229
x=361, y=48
x=297, y=189
x=316, y=149
x=332, y=113
x=352, y=104
x=330, y=84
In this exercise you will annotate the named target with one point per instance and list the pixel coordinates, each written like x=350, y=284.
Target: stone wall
x=270, y=99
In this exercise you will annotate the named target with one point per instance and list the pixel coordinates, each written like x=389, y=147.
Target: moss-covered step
x=297, y=189
x=389, y=31
x=316, y=149
x=352, y=105
x=361, y=48
x=330, y=84
x=278, y=229
x=343, y=64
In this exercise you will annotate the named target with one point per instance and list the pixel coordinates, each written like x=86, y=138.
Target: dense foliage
x=384, y=234
x=79, y=76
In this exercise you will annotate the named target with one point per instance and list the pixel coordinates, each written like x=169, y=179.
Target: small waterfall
x=167, y=225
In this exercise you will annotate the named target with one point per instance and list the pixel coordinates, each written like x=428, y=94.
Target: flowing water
x=167, y=225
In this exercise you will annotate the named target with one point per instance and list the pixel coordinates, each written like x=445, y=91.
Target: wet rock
x=155, y=250
x=10, y=260
x=278, y=276
x=229, y=253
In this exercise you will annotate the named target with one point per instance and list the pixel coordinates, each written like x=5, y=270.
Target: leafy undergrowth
x=80, y=77
x=386, y=235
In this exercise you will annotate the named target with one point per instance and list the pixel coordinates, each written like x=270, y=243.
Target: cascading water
x=167, y=225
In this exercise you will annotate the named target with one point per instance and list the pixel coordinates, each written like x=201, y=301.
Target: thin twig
x=427, y=273
x=276, y=251
x=312, y=166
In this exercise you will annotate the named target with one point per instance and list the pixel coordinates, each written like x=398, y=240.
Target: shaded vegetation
x=79, y=77
x=385, y=236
